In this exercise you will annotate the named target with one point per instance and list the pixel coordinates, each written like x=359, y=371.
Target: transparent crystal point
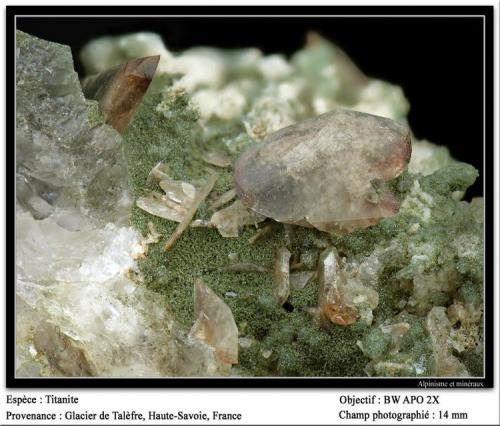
x=120, y=90
x=215, y=323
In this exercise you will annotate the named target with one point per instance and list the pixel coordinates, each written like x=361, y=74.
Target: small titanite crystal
x=299, y=280
x=229, y=220
x=215, y=323
x=174, y=205
x=327, y=172
x=63, y=352
x=120, y=90
x=438, y=327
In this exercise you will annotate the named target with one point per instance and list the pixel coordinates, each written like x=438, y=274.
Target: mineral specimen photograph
x=188, y=206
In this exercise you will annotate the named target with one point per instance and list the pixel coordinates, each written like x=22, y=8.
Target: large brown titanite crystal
x=328, y=172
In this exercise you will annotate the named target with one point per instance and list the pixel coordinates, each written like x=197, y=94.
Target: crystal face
x=320, y=171
x=63, y=161
x=247, y=215
x=119, y=91
x=281, y=277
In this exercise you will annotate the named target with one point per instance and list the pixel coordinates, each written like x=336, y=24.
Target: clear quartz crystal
x=84, y=314
x=438, y=327
x=174, y=204
x=77, y=313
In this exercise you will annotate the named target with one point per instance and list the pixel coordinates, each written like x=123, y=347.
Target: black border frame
x=280, y=382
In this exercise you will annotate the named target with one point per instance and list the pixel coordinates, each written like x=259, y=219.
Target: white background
x=269, y=406
x=259, y=406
